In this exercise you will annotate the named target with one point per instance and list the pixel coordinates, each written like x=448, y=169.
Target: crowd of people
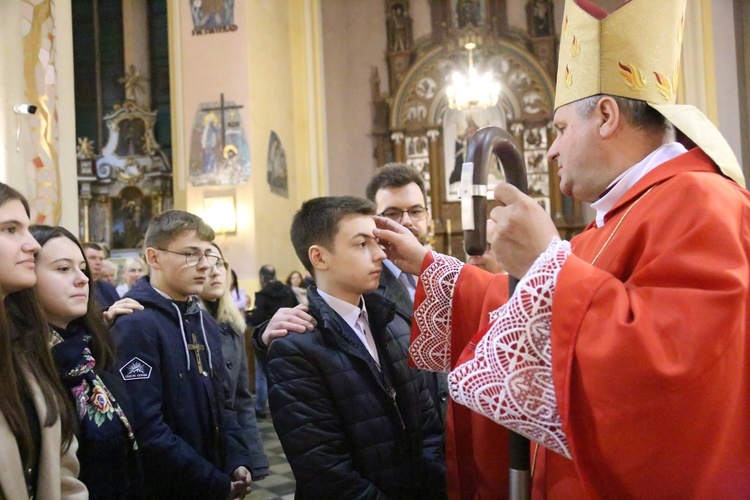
x=623, y=355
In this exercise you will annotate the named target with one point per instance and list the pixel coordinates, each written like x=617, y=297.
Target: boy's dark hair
x=168, y=226
x=394, y=175
x=317, y=222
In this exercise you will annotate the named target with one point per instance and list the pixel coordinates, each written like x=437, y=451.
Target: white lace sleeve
x=510, y=377
x=430, y=350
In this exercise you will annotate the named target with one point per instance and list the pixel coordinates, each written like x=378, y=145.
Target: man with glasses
x=398, y=192
x=169, y=356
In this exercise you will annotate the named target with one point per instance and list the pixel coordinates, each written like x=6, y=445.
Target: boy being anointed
x=355, y=421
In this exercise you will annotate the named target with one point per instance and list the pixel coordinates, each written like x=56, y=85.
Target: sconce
x=220, y=212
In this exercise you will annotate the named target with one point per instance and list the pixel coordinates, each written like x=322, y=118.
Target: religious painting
x=468, y=13
x=276, y=169
x=219, y=151
x=540, y=16
x=131, y=213
x=458, y=128
x=212, y=16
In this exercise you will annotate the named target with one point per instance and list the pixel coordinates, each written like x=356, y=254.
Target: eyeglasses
x=192, y=259
x=415, y=213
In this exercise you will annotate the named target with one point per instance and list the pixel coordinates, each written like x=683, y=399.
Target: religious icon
x=212, y=16
x=276, y=167
x=219, y=152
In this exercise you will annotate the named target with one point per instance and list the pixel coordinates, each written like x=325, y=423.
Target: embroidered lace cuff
x=510, y=377
x=430, y=350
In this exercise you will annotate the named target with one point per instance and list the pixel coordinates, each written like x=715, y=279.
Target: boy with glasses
x=169, y=356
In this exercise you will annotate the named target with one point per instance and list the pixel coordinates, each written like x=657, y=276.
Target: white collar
x=349, y=312
x=628, y=178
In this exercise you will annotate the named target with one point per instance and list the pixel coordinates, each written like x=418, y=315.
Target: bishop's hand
x=519, y=230
x=400, y=245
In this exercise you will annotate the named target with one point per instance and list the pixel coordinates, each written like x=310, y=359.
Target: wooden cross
x=197, y=348
x=222, y=107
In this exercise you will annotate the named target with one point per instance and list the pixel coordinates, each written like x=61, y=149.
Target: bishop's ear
x=609, y=114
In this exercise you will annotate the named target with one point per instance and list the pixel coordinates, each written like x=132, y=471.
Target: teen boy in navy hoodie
x=169, y=355
x=355, y=421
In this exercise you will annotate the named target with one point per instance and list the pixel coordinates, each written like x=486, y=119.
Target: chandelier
x=476, y=91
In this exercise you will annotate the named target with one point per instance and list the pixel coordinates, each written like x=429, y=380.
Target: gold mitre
x=634, y=52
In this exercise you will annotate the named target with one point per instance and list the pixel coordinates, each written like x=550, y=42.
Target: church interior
x=239, y=111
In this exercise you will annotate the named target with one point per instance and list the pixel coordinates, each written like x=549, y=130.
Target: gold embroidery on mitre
x=628, y=35
x=680, y=30
x=568, y=76
x=632, y=75
x=575, y=48
x=664, y=86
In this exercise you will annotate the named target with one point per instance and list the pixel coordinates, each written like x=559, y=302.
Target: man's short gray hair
x=637, y=113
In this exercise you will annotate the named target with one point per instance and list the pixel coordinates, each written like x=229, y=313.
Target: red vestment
x=649, y=346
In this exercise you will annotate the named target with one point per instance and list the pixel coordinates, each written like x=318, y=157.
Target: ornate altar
x=121, y=189
x=413, y=123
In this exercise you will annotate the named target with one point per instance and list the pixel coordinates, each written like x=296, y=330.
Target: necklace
x=619, y=223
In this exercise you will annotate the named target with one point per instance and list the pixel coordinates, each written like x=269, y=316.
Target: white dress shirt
x=356, y=318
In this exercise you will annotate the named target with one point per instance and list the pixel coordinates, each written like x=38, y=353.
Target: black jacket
x=185, y=426
x=233, y=349
x=270, y=299
x=348, y=430
x=437, y=383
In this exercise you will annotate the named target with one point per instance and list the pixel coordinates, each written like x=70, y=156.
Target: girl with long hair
x=217, y=300
x=83, y=351
x=297, y=283
x=37, y=429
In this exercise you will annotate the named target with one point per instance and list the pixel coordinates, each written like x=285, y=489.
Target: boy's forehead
x=190, y=239
x=352, y=225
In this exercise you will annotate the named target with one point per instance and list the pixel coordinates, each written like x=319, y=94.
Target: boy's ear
x=152, y=258
x=318, y=256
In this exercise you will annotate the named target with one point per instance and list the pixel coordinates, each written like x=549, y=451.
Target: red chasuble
x=649, y=347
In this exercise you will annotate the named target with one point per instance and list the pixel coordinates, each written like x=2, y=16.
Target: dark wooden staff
x=486, y=142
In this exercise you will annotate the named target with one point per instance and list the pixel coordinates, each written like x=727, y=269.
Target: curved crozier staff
x=483, y=144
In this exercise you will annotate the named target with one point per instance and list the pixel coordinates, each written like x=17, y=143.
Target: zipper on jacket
x=392, y=394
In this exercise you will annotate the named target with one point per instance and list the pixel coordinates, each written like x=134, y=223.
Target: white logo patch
x=135, y=369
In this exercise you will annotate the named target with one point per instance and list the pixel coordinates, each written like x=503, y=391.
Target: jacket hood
x=144, y=292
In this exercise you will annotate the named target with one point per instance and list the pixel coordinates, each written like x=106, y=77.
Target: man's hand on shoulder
x=122, y=306
x=288, y=319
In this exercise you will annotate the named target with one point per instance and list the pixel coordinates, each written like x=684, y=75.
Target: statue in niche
x=469, y=13
x=399, y=29
x=540, y=17
x=131, y=138
x=131, y=213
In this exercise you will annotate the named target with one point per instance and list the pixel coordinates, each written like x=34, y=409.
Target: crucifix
x=221, y=109
x=197, y=348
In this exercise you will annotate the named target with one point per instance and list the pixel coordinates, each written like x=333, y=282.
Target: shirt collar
x=349, y=312
x=392, y=268
x=618, y=187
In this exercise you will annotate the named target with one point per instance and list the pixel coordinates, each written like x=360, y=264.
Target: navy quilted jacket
x=348, y=430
